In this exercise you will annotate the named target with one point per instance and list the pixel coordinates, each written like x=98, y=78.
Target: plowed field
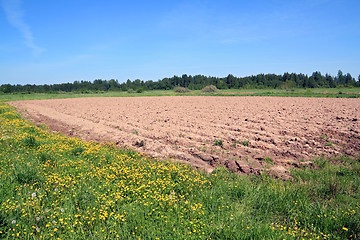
x=245, y=134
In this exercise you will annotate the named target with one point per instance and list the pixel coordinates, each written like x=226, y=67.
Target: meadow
x=343, y=92
x=57, y=187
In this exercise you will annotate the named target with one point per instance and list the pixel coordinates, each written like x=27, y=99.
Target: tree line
x=196, y=82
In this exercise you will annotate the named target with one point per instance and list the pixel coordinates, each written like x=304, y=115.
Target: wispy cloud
x=15, y=16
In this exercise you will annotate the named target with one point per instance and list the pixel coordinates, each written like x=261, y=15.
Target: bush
x=140, y=90
x=210, y=88
x=130, y=90
x=181, y=90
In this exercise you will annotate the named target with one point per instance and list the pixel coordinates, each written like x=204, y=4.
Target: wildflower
x=56, y=189
x=62, y=210
x=37, y=218
x=33, y=195
x=13, y=221
x=28, y=164
x=345, y=229
x=37, y=229
x=47, y=210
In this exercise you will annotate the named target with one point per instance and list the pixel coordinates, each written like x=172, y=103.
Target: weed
x=44, y=157
x=329, y=144
x=203, y=148
x=235, y=142
x=140, y=143
x=245, y=143
x=268, y=160
x=77, y=151
x=30, y=141
x=136, y=132
x=27, y=177
x=218, y=143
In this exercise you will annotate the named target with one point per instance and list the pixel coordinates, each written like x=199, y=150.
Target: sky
x=49, y=42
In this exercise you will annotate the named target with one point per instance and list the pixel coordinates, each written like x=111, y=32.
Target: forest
x=196, y=82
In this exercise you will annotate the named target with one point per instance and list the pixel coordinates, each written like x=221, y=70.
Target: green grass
x=314, y=92
x=52, y=186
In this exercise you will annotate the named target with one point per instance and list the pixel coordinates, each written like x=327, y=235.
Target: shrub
x=130, y=90
x=181, y=90
x=140, y=90
x=209, y=89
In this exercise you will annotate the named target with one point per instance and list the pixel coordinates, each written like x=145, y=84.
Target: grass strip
x=298, y=92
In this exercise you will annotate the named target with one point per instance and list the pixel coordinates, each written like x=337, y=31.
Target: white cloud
x=15, y=16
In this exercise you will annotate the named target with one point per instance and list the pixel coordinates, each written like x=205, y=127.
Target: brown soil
x=279, y=132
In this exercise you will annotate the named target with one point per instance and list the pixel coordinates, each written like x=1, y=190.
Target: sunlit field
x=53, y=186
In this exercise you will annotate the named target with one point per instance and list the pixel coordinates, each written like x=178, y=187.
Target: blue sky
x=46, y=42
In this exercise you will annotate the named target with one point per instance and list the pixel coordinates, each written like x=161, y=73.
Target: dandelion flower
x=345, y=229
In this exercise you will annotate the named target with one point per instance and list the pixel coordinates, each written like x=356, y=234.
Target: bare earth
x=281, y=132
